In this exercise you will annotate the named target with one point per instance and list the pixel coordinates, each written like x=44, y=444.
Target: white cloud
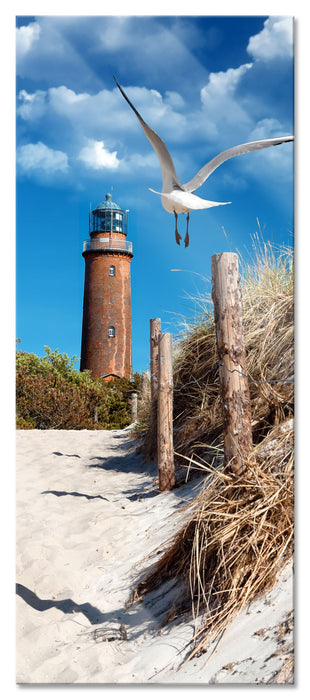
x=84, y=52
x=174, y=99
x=136, y=160
x=34, y=157
x=271, y=164
x=25, y=38
x=224, y=83
x=47, y=51
x=105, y=113
x=115, y=32
x=95, y=156
x=151, y=47
x=31, y=105
x=274, y=41
x=266, y=129
x=222, y=106
x=63, y=99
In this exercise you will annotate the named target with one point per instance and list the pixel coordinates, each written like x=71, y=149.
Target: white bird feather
x=177, y=198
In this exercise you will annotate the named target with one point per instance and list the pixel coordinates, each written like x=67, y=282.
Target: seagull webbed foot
x=178, y=238
x=186, y=239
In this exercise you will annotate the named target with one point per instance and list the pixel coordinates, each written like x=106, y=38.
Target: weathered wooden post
x=236, y=404
x=155, y=326
x=134, y=407
x=154, y=335
x=166, y=473
x=145, y=385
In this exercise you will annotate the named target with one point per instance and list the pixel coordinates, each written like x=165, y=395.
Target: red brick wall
x=107, y=302
x=106, y=234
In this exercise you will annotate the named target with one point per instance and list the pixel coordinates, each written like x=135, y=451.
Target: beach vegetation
x=238, y=534
x=52, y=394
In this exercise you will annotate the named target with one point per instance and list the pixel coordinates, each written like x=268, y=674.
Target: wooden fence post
x=134, y=407
x=155, y=326
x=154, y=335
x=145, y=385
x=166, y=473
x=236, y=404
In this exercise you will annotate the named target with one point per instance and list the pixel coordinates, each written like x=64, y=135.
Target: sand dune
x=88, y=512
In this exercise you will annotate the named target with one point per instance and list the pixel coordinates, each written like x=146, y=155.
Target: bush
x=50, y=393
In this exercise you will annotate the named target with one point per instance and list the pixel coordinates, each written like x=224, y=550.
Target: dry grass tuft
x=237, y=539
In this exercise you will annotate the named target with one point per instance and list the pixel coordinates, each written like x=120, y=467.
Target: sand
x=88, y=513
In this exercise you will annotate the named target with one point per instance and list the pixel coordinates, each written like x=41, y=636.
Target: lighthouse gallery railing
x=116, y=244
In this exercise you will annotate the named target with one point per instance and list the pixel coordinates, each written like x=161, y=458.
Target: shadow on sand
x=124, y=462
x=67, y=605
x=75, y=493
x=150, y=612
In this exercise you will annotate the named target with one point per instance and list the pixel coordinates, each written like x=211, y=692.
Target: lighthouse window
x=112, y=271
x=108, y=221
x=111, y=332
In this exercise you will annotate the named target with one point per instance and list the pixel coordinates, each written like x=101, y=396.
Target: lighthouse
x=106, y=332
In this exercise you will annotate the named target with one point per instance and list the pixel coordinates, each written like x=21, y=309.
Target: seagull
x=177, y=198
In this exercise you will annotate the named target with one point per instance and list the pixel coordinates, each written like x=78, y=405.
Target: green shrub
x=50, y=393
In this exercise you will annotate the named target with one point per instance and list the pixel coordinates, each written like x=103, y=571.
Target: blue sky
x=204, y=83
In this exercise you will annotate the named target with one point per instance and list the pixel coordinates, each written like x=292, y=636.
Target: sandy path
x=87, y=514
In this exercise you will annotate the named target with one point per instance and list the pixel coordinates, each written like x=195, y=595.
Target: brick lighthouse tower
x=106, y=333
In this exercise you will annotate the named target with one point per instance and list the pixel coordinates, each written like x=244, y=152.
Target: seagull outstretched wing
x=207, y=169
x=170, y=178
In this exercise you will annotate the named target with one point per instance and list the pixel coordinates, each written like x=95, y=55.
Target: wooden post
x=134, y=407
x=236, y=404
x=154, y=335
x=145, y=385
x=155, y=326
x=166, y=474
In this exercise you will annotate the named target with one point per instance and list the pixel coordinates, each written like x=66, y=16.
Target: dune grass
x=268, y=314
x=238, y=535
